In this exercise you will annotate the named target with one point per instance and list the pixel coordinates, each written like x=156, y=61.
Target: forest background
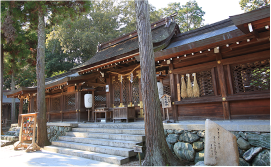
x=74, y=41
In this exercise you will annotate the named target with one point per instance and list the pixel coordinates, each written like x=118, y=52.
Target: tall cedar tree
x=157, y=150
x=7, y=35
x=55, y=11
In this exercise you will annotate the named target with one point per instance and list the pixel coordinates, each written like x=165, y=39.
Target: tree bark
x=40, y=71
x=1, y=82
x=13, y=106
x=157, y=151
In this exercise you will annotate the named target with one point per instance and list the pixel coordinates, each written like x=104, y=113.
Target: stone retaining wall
x=55, y=131
x=254, y=147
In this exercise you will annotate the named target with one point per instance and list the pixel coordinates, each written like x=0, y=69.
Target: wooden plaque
x=138, y=149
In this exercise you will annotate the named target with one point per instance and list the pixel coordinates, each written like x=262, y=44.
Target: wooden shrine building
x=228, y=62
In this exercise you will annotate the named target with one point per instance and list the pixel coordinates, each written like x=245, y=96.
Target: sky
x=215, y=10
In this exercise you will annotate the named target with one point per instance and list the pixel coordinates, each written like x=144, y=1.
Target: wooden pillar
x=108, y=94
x=141, y=114
x=173, y=92
x=20, y=111
x=121, y=91
x=62, y=106
x=93, y=105
x=48, y=108
x=178, y=87
x=78, y=104
x=223, y=87
x=31, y=104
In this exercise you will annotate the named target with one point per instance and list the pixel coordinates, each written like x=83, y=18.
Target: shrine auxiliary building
x=229, y=62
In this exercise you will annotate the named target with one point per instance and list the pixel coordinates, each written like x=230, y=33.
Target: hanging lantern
x=160, y=89
x=88, y=100
x=189, y=86
x=195, y=87
x=183, y=88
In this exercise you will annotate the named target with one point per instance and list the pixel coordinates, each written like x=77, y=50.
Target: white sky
x=215, y=10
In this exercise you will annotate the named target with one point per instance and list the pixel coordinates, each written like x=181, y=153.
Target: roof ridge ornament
x=99, y=46
x=170, y=19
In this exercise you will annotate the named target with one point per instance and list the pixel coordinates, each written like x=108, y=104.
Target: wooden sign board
x=138, y=149
x=166, y=101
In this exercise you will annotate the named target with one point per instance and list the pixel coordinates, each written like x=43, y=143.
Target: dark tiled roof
x=158, y=35
x=261, y=13
x=203, y=33
x=9, y=100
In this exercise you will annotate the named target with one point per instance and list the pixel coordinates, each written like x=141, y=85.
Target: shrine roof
x=161, y=35
x=213, y=34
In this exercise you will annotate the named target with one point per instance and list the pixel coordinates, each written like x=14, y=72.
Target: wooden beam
x=194, y=68
x=173, y=92
x=247, y=58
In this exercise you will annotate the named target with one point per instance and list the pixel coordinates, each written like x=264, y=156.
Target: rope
x=127, y=73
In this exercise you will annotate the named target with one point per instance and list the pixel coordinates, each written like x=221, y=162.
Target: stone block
x=184, y=151
x=201, y=133
x=170, y=131
x=189, y=137
x=251, y=153
x=243, y=144
x=220, y=146
x=198, y=146
x=262, y=159
x=200, y=163
x=242, y=162
x=177, y=131
x=172, y=138
x=259, y=140
x=199, y=156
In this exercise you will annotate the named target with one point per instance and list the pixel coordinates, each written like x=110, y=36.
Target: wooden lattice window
x=166, y=89
x=100, y=100
x=70, y=102
x=135, y=91
x=125, y=91
x=116, y=87
x=55, y=104
x=249, y=77
x=204, y=80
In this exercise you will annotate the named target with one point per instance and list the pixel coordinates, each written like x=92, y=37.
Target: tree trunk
x=157, y=150
x=40, y=68
x=13, y=106
x=1, y=82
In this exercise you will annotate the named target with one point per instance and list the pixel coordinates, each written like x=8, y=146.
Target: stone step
x=111, y=130
x=119, y=160
x=113, y=125
x=9, y=138
x=96, y=148
x=128, y=137
x=103, y=142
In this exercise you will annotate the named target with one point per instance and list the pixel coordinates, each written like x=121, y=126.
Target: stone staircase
x=111, y=143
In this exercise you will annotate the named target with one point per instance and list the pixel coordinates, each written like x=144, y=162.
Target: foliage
x=189, y=17
x=58, y=73
x=75, y=41
x=20, y=58
x=128, y=18
x=249, y=5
